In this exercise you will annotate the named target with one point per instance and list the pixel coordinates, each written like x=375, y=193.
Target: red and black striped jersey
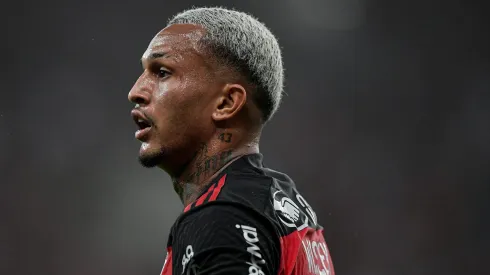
x=250, y=220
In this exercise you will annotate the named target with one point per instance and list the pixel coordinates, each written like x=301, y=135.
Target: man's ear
x=230, y=102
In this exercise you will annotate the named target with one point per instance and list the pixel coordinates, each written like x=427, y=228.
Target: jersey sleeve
x=225, y=238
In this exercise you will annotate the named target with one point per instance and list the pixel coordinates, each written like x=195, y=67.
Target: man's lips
x=141, y=134
x=142, y=122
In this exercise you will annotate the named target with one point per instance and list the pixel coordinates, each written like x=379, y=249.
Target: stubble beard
x=151, y=159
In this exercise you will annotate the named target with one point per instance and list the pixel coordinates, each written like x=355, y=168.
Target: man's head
x=210, y=69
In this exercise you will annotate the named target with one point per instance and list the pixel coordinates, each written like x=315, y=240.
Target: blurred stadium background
x=385, y=129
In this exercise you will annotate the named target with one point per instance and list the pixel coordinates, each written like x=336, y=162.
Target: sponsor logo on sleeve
x=252, y=239
x=290, y=213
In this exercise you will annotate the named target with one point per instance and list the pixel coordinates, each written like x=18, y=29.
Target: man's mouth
x=144, y=125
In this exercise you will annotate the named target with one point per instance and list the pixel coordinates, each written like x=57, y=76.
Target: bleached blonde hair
x=248, y=46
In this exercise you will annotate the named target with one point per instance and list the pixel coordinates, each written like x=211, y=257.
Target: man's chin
x=150, y=158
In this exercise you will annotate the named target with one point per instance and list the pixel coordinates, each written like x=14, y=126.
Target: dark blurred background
x=385, y=129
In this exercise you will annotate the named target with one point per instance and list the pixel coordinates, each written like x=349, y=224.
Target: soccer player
x=211, y=80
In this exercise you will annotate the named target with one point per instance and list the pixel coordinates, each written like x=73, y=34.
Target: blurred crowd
x=385, y=130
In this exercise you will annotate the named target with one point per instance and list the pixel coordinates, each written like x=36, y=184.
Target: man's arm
x=225, y=238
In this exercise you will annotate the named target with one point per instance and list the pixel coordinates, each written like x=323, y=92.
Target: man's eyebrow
x=154, y=56
x=157, y=55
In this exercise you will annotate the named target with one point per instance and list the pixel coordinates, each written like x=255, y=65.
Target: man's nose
x=138, y=94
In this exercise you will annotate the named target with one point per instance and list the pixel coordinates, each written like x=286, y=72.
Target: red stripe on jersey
x=205, y=195
x=305, y=252
x=187, y=207
x=167, y=266
x=290, y=245
x=218, y=189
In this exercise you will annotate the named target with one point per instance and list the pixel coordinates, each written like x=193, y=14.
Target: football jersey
x=249, y=220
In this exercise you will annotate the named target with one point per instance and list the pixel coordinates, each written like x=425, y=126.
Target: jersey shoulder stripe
x=210, y=195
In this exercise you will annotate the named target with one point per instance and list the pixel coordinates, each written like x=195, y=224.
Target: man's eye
x=162, y=73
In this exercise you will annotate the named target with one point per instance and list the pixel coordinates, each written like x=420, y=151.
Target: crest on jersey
x=288, y=211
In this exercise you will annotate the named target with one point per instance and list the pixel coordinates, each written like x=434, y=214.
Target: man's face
x=174, y=97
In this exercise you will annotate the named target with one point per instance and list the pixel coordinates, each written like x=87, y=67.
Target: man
x=212, y=78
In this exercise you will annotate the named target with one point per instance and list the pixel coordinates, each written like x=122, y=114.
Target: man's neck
x=209, y=160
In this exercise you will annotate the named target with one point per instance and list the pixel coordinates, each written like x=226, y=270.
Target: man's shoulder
x=251, y=193
x=245, y=182
x=251, y=184
x=247, y=188
x=236, y=194
x=251, y=190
